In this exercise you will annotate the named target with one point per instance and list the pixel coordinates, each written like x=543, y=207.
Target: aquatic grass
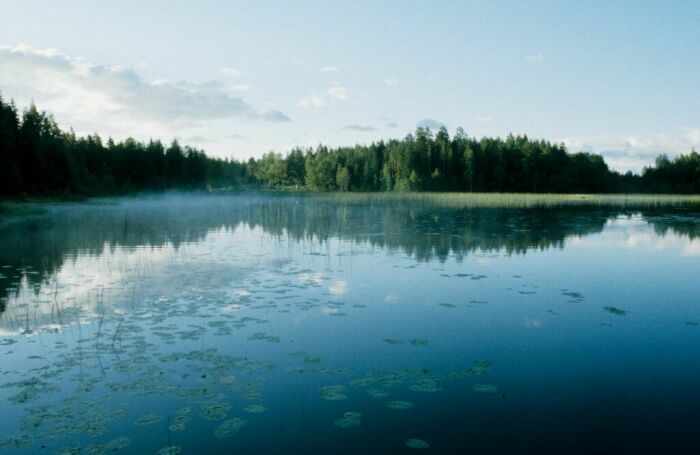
x=515, y=200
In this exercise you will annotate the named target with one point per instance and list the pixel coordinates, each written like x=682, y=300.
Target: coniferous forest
x=39, y=159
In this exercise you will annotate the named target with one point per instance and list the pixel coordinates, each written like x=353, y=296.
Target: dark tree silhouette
x=38, y=158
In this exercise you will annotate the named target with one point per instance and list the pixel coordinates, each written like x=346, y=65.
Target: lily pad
x=400, y=405
x=415, y=443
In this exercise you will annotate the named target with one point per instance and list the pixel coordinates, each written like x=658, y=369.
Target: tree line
x=427, y=161
x=38, y=158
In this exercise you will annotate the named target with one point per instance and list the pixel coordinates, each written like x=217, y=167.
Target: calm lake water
x=270, y=324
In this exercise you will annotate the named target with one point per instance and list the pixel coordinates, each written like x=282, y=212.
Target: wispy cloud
x=230, y=72
x=273, y=115
x=329, y=69
x=242, y=87
x=312, y=101
x=391, y=125
x=634, y=152
x=338, y=92
x=430, y=123
x=96, y=95
x=534, y=58
x=197, y=140
x=113, y=99
x=391, y=82
x=239, y=137
x=361, y=128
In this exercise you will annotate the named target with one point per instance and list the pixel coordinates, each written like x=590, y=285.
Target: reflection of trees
x=40, y=245
x=682, y=223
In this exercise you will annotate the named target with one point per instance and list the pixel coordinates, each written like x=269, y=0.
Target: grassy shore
x=521, y=200
x=16, y=208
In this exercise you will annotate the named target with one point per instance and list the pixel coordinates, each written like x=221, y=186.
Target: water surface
x=309, y=324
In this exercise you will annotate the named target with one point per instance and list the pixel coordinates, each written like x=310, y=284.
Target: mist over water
x=267, y=323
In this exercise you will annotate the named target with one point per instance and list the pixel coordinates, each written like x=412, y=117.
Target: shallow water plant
x=333, y=392
x=400, y=405
x=350, y=419
x=485, y=388
x=415, y=443
x=230, y=427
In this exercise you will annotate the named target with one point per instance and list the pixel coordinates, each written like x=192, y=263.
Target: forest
x=40, y=159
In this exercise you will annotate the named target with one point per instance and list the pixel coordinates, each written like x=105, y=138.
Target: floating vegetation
x=448, y=305
x=70, y=451
x=227, y=379
x=480, y=367
x=349, y=420
x=265, y=337
x=148, y=419
x=170, y=450
x=426, y=384
x=392, y=341
x=118, y=444
x=215, y=411
x=485, y=388
x=575, y=297
x=400, y=405
x=230, y=427
x=185, y=332
x=255, y=408
x=417, y=443
x=378, y=378
x=615, y=311
x=333, y=392
x=311, y=359
x=377, y=393
x=179, y=423
x=418, y=342
x=18, y=442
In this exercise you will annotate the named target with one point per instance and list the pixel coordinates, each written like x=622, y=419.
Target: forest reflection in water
x=277, y=323
x=36, y=247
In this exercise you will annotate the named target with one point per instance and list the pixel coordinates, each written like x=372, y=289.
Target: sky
x=242, y=78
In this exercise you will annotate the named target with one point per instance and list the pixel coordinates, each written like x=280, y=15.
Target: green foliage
x=427, y=162
x=39, y=159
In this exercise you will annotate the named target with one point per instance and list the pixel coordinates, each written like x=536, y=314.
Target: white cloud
x=230, y=72
x=273, y=115
x=430, y=123
x=534, y=58
x=634, y=152
x=241, y=87
x=112, y=99
x=312, y=101
x=329, y=69
x=391, y=82
x=484, y=120
x=360, y=128
x=338, y=92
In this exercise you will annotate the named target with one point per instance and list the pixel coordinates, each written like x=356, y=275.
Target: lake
x=283, y=323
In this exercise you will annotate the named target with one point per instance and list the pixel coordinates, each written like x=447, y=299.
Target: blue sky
x=242, y=78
